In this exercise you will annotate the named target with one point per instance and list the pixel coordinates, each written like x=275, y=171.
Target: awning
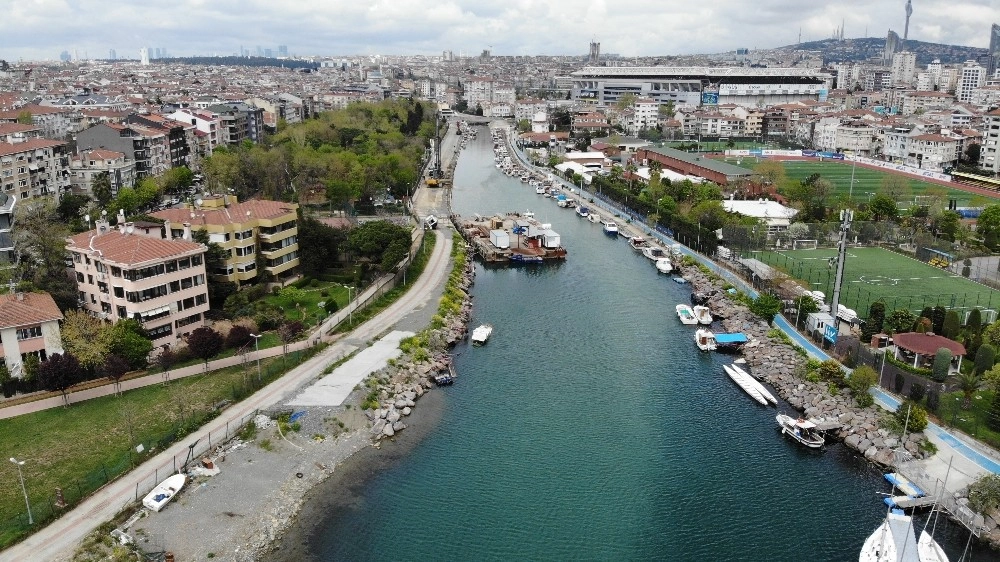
x=737, y=337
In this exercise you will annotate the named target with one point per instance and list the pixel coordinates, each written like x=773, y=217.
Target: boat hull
x=164, y=492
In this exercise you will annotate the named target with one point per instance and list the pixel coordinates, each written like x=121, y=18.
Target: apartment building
x=34, y=168
x=922, y=102
x=208, y=129
x=240, y=121
x=29, y=325
x=17, y=132
x=55, y=122
x=255, y=234
x=177, y=139
x=7, y=202
x=970, y=77
x=140, y=271
x=85, y=166
x=989, y=154
x=148, y=148
x=918, y=149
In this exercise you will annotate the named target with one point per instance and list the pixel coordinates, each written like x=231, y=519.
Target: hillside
x=872, y=47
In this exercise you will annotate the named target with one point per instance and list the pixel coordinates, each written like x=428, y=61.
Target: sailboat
x=893, y=541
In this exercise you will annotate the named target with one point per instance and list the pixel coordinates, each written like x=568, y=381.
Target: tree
x=86, y=338
x=917, y=416
x=59, y=373
x=380, y=242
x=988, y=225
x=205, y=343
x=766, y=306
x=937, y=318
x=972, y=153
x=667, y=110
x=968, y=383
x=897, y=188
x=883, y=208
x=951, y=325
x=876, y=320
x=626, y=101
x=901, y=320
x=238, y=337
x=984, y=494
x=289, y=331
x=165, y=360
x=319, y=246
x=862, y=379
x=25, y=118
x=974, y=323
x=127, y=339
x=113, y=369
x=40, y=245
x=941, y=365
x=100, y=188
x=771, y=172
x=523, y=126
x=985, y=358
x=479, y=109
x=991, y=334
x=798, y=231
x=966, y=267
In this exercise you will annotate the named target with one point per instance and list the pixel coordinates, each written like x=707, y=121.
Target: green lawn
x=871, y=274
x=307, y=309
x=971, y=421
x=79, y=448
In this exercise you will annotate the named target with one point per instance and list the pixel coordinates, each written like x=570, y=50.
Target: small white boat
x=594, y=217
x=803, y=431
x=663, y=265
x=610, y=227
x=583, y=211
x=761, y=389
x=703, y=314
x=653, y=253
x=743, y=383
x=704, y=339
x=893, y=541
x=540, y=190
x=637, y=243
x=685, y=314
x=481, y=334
x=164, y=492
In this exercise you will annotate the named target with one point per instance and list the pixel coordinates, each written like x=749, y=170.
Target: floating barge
x=511, y=239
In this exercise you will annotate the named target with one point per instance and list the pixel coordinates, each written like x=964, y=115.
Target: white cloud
x=43, y=28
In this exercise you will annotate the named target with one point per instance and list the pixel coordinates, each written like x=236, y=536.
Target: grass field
x=867, y=181
x=871, y=274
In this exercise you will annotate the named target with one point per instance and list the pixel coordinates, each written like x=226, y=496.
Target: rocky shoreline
x=782, y=366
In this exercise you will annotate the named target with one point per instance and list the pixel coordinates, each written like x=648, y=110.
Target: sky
x=42, y=29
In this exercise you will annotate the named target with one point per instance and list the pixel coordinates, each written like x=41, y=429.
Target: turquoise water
x=591, y=428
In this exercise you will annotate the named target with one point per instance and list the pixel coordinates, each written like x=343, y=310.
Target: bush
x=862, y=379
x=238, y=337
x=917, y=392
x=933, y=400
x=766, y=306
x=985, y=358
x=918, y=416
x=984, y=494
x=830, y=371
x=941, y=365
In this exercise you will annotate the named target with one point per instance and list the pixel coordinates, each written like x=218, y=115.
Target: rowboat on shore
x=164, y=492
x=744, y=382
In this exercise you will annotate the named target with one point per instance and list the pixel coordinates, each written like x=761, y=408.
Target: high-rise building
x=156, y=53
x=909, y=12
x=994, y=49
x=144, y=56
x=595, y=53
x=892, y=44
x=65, y=56
x=283, y=51
x=904, y=65
x=267, y=53
x=112, y=55
x=972, y=76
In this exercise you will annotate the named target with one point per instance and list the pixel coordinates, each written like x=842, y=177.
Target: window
x=196, y=260
x=116, y=271
x=28, y=333
x=159, y=332
x=79, y=277
x=175, y=286
x=201, y=299
x=119, y=292
x=184, y=263
x=122, y=313
x=90, y=279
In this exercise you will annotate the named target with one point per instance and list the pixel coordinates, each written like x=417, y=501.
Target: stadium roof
x=709, y=71
x=703, y=161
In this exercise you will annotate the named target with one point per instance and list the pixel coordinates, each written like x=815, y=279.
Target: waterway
x=591, y=428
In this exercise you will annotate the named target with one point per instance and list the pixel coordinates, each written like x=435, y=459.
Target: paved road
x=58, y=540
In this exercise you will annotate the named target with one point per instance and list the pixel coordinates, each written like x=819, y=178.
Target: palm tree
x=968, y=383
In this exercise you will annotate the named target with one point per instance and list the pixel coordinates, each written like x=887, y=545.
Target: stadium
x=700, y=85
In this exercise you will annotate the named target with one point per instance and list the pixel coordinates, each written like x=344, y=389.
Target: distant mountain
x=872, y=47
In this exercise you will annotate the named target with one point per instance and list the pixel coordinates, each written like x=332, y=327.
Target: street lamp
x=27, y=504
x=350, y=310
x=256, y=344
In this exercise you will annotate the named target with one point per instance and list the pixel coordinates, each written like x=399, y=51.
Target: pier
x=513, y=238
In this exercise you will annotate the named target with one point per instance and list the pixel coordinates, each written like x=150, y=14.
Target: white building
x=972, y=76
x=904, y=64
x=776, y=216
x=989, y=155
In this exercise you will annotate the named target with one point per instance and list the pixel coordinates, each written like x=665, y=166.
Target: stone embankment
x=402, y=382
x=782, y=366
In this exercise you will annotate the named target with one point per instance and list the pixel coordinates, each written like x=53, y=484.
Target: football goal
x=804, y=244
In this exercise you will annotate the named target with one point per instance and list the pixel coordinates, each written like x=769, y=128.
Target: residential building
x=16, y=132
x=55, y=122
x=919, y=149
x=596, y=123
x=7, y=202
x=177, y=140
x=29, y=325
x=904, y=64
x=972, y=76
x=207, y=124
x=148, y=148
x=774, y=124
x=140, y=271
x=921, y=102
x=85, y=166
x=254, y=233
x=240, y=121
x=34, y=168
x=989, y=153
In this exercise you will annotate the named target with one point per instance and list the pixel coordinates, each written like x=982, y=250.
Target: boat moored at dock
x=703, y=314
x=637, y=243
x=801, y=430
x=685, y=314
x=893, y=541
x=704, y=339
x=610, y=227
x=663, y=265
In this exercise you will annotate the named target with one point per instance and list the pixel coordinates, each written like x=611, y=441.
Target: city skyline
x=44, y=29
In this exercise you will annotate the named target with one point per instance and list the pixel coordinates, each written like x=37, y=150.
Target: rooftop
x=132, y=249
x=25, y=309
x=236, y=213
x=704, y=162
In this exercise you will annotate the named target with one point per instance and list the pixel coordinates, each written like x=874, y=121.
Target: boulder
x=398, y=426
x=388, y=431
x=406, y=411
x=862, y=446
x=400, y=404
x=870, y=452
x=891, y=442
x=393, y=416
x=377, y=427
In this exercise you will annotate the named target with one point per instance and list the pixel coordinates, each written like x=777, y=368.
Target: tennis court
x=871, y=274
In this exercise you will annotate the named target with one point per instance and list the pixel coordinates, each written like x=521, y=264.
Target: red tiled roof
x=10, y=128
x=30, y=144
x=24, y=309
x=233, y=214
x=927, y=344
x=131, y=249
x=933, y=138
x=100, y=154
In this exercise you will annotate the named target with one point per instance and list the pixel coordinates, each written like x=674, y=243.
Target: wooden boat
x=745, y=384
x=803, y=431
x=164, y=492
x=481, y=334
x=704, y=339
x=685, y=314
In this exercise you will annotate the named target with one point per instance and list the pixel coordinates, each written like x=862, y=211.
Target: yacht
x=663, y=265
x=653, y=253
x=610, y=227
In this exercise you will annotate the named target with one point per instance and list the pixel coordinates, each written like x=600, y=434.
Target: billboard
x=710, y=98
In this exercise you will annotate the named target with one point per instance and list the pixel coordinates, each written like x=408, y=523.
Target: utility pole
x=846, y=216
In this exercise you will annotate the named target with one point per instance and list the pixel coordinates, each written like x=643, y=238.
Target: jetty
x=512, y=239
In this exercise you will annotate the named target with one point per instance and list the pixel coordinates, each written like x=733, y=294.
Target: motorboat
x=481, y=334
x=583, y=211
x=893, y=541
x=523, y=259
x=653, y=253
x=663, y=265
x=540, y=190
x=755, y=383
x=164, y=492
x=594, y=217
x=686, y=315
x=703, y=314
x=803, y=431
x=637, y=243
x=610, y=227
x=743, y=382
x=704, y=339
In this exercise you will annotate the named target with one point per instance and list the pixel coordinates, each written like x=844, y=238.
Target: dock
x=512, y=239
x=913, y=496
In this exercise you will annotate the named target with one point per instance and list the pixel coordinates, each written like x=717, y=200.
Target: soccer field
x=871, y=274
x=867, y=182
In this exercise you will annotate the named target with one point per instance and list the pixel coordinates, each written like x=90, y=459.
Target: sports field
x=867, y=181
x=871, y=274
